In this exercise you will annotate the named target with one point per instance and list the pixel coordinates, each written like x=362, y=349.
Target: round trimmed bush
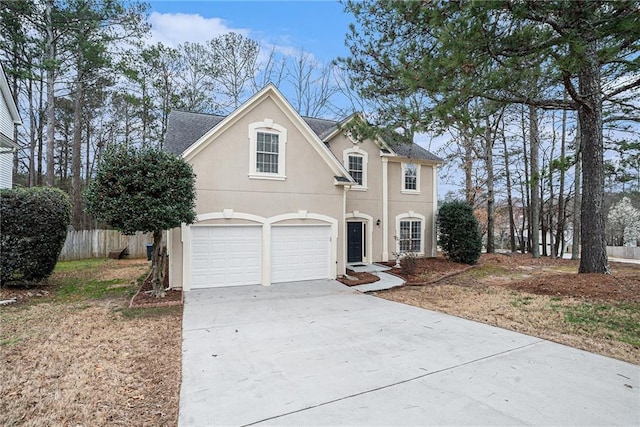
x=459, y=236
x=34, y=225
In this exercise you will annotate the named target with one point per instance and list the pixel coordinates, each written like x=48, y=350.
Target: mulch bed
x=622, y=287
x=362, y=278
x=143, y=297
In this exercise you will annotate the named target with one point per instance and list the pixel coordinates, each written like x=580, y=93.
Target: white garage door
x=300, y=253
x=226, y=256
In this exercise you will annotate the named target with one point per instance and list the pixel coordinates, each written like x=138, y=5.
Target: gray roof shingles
x=185, y=128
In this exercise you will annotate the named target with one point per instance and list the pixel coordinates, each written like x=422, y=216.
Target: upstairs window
x=356, y=168
x=410, y=178
x=267, y=143
x=355, y=160
x=267, y=153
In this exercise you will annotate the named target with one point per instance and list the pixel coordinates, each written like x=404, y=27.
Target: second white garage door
x=300, y=253
x=226, y=256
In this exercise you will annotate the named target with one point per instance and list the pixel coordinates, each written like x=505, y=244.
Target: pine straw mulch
x=143, y=297
x=360, y=278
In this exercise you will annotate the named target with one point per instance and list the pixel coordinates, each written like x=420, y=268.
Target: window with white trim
x=410, y=178
x=267, y=144
x=355, y=161
x=267, y=153
x=410, y=239
x=356, y=168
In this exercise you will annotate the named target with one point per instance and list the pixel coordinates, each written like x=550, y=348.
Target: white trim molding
x=367, y=219
x=409, y=216
x=269, y=127
x=357, y=151
x=266, y=224
x=385, y=209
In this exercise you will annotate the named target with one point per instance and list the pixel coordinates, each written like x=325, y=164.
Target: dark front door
x=354, y=242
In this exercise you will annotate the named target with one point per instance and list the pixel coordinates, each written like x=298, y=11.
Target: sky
x=315, y=26
x=318, y=27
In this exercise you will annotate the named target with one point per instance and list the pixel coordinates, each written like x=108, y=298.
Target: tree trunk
x=593, y=258
x=577, y=197
x=157, y=265
x=76, y=152
x=490, y=201
x=40, y=132
x=467, y=166
x=51, y=117
x=534, y=139
x=32, y=136
x=559, y=244
x=512, y=225
x=527, y=188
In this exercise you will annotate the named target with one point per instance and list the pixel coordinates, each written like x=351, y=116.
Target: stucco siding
x=224, y=185
x=401, y=203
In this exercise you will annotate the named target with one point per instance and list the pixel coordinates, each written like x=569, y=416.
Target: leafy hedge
x=34, y=225
x=459, y=236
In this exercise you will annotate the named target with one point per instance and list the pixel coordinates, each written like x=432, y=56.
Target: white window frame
x=411, y=216
x=406, y=190
x=357, y=151
x=269, y=127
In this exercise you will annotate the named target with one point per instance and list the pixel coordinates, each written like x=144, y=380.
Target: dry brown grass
x=90, y=362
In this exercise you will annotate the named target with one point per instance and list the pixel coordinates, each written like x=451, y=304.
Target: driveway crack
x=329, y=402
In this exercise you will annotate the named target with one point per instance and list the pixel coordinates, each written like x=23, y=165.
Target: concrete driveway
x=319, y=353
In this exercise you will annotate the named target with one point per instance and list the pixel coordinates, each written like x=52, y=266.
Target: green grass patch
x=79, y=265
x=522, y=301
x=150, y=312
x=10, y=341
x=77, y=288
x=487, y=270
x=620, y=322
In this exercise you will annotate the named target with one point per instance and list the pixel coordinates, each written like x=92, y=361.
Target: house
x=282, y=197
x=8, y=119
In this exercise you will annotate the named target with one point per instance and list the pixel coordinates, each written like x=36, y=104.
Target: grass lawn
x=73, y=353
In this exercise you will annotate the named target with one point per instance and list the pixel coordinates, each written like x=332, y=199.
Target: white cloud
x=172, y=29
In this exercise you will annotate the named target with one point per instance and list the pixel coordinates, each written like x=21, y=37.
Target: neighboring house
x=282, y=197
x=8, y=118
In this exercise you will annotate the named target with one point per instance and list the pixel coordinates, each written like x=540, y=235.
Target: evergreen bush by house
x=34, y=225
x=459, y=236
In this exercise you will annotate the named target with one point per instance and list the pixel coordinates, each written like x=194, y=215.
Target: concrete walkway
x=319, y=353
x=387, y=281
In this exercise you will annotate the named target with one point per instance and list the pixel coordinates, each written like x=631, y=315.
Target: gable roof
x=184, y=129
x=188, y=133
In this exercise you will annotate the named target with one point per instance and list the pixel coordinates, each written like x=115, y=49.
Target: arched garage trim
x=266, y=224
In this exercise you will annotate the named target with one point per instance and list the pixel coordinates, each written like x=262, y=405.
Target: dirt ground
x=540, y=297
x=89, y=362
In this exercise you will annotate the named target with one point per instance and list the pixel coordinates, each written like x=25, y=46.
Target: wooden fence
x=98, y=243
x=628, y=252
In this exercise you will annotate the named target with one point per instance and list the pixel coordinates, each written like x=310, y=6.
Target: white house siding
x=6, y=168
x=6, y=122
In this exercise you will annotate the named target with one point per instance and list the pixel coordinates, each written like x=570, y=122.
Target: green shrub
x=33, y=224
x=459, y=236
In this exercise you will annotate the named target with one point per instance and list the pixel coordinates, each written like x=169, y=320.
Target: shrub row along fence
x=98, y=243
